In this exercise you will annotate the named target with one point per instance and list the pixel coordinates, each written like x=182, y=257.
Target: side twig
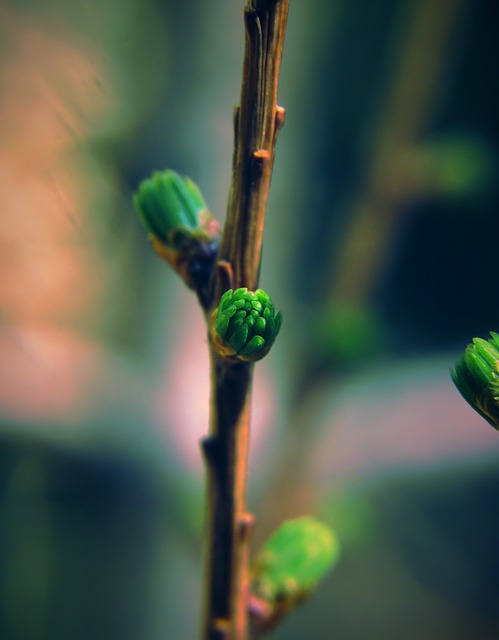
x=257, y=122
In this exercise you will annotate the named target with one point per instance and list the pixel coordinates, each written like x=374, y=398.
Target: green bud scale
x=476, y=376
x=245, y=324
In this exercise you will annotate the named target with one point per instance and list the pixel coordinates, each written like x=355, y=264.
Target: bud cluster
x=245, y=324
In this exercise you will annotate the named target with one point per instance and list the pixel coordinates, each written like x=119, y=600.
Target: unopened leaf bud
x=476, y=376
x=294, y=559
x=182, y=230
x=245, y=324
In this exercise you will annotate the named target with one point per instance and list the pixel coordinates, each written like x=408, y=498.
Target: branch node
x=225, y=274
x=221, y=629
x=261, y=154
x=224, y=280
x=261, y=158
x=259, y=609
x=246, y=523
x=211, y=450
x=280, y=114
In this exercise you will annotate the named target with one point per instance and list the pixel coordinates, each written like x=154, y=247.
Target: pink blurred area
x=44, y=374
x=55, y=197
x=51, y=104
x=407, y=418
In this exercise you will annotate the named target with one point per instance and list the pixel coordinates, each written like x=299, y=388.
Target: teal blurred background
x=380, y=251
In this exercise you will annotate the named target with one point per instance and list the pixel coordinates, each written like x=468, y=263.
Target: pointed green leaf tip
x=167, y=201
x=294, y=559
x=476, y=376
x=245, y=324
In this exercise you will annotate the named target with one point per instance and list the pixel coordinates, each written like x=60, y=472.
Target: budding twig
x=257, y=122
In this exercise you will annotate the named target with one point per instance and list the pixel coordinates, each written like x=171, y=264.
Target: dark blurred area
x=379, y=251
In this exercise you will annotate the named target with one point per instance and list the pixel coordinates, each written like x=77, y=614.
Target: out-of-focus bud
x=476, y=376
x=245, y=324
x=289, y=566
x=182, y=230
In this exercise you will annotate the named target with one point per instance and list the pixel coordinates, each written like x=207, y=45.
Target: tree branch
x=257, y=122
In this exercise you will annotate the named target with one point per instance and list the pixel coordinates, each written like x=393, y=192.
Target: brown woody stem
x=257, y=122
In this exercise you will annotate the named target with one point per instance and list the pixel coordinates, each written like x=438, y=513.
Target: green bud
x=182, y=230
x=245, y=324
x=293, y=560
x=476, y=376
x=166, y=201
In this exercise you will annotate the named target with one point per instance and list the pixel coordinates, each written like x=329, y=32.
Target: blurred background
x=380, y=252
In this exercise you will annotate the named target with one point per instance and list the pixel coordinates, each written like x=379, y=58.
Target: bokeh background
x=380, y=251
